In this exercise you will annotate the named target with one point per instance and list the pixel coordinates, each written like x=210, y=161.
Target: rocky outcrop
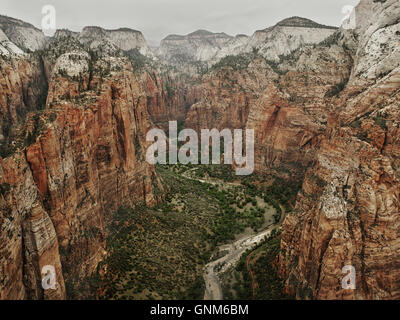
x=28, y=238
x=87, y=159
x=22, y=34
x=291, y=114
x=271, y=43
x=169, y=96
x=124, y=38
x=65, y=33
x=285, y=104
x=287, y=36
x=23, y=87
x=201, y=45
x=7, y=47
x=227, y=94
x=323, y=113
x=347, y=212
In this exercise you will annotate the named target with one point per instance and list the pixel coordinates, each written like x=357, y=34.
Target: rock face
x=58, y=193
x=7, y=47
x=227, y=94
x=201, y=45
x=22, y=34
x=205, y=46
x=75, y=116
x=28, y=238
x=123, y=38
x=284, y=102
x=169, y=96
x=286, y=106
x=287, y=36
x=291, y=113
x=347, y=212
x=63, y=33
x=23, y=88
x=332, y=110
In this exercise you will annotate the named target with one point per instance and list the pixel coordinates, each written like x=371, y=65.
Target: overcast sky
x=159, y=18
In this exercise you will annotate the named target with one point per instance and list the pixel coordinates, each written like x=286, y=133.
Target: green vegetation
x=242, y=61
x=336, y=89
x=139, y=61
x=38, y=127
x=237, y=62
x=256, y=269
x=170, y=90
x=303, y=22
x=276, y=66
x=380, y=122
x=27, y=136
x=320, y=183
x=6, y=150
x=4, y=188
x=333, y=39
x=356, y=124
x=363, y=136
x=161, y=252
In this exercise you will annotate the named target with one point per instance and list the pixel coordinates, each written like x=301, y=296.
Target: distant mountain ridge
x=280, y=39
x=201, y=45
x=123, y=38
x=303, y=22
x=27, y=37
x=23, y=34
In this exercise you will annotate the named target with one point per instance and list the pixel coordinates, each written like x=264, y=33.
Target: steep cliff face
x=124, y=38
x=227, y=94
x=7, y=47
x=169, y=95
x=28, y=237
x=23, y=88
x=75, y=115
x=286, y=36
x=85, y=160
x=286, y=104
x=347, y=212
x=201, y=45
x=291, y=114
x=22, y=34
x=271, y=43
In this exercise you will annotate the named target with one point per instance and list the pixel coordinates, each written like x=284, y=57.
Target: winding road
x=235, y=250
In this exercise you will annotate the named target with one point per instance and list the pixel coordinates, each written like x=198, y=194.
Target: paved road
x=235, y=251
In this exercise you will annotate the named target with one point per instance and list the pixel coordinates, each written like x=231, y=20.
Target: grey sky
x=158, y=18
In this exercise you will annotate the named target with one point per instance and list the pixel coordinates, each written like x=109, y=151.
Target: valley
x=161, y=253
x=77, y=194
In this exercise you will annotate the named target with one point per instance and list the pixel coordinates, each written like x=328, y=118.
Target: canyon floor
x=207, y=211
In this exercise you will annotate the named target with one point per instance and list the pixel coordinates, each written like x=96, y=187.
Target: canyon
x=323, y=103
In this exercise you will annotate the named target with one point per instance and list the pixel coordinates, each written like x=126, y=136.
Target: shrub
x=380, y=122
x=4, y=188
x=336, y=89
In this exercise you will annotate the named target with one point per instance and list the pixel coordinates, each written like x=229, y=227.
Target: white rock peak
x=281, y=39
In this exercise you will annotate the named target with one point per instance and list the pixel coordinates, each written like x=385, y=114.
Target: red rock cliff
x=88, y=159
x=347, y=212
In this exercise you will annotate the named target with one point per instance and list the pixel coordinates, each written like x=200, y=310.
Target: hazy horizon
x=177, y=16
